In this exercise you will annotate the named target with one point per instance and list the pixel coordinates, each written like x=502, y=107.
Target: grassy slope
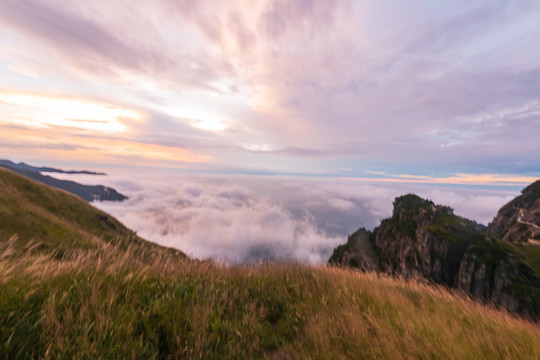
x=56, y=219
x=115, y=303
x=107, y=298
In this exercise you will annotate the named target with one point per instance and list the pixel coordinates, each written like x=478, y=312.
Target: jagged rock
x=357, y=252
x=499, y=279
x=418, y=240
x=426, y=241
x=480, y=286
x=519, y=220
x=505, y=273
x=466, y=272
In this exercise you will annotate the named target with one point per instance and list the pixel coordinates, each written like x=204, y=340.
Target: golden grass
x=113, y=301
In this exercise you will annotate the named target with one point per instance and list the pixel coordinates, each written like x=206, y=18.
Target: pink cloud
x=350, y=81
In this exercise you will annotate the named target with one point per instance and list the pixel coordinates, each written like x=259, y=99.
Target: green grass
x=115, y=303
x=58, y=220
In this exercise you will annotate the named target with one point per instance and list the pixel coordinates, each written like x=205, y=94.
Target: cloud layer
x=250, y=218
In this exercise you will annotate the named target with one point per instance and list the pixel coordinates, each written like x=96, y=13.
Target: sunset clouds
x=311, y=87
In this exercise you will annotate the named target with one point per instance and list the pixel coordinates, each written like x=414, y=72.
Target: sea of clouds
x=249, y=218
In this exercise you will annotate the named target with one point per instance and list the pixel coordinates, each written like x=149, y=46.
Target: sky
x=417, y=91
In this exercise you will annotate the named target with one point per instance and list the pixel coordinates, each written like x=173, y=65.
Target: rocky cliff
x=359, y=252
x=519, y=220
x=426, y=241
x=492, y=273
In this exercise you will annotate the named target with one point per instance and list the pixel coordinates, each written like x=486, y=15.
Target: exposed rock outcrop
x=519, y=220
x=426, y=241
x=359, y=252
x=422, y=240
x=493, y=274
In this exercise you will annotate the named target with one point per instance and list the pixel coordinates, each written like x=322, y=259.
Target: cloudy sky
x=445, y=91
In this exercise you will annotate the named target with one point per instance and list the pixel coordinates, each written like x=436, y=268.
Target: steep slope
x=86, y=192
x=426, y=241
x=56, y=219
x=519, y=220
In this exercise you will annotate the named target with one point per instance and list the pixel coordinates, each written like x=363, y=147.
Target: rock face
x=422, y=240
x=357, y=252
x=519, y=220
x=426, y=241
x=491, y=273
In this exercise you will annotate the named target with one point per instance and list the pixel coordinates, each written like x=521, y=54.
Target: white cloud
x=247, y=218
x=219, y=218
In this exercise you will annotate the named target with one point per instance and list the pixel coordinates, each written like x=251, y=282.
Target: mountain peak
x=411, y=205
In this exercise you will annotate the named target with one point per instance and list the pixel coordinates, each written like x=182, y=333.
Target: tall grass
x=117, y=301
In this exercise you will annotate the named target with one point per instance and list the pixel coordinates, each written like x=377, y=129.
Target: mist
x=240, y=219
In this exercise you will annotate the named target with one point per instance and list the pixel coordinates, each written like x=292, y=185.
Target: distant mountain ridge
x=86, y=192
x=24, y=166
x=426, y=241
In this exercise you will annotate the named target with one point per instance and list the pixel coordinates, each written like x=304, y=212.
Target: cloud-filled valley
x=248, y=218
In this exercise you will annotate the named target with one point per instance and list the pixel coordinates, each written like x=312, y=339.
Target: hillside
x=426, y=241
x=86, y=192
x=75, y=283
x=55, y=219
